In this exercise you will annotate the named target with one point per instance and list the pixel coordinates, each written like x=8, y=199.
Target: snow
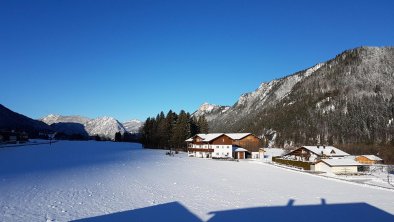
x=108, y=181
x=341, y=162
x=326, y=150
x=372, y=157
x=103, y=126
x=210, y=136
x=133, y=126
x=310, y=71
x=239, y=149
x=237, y=136
x=390, y=122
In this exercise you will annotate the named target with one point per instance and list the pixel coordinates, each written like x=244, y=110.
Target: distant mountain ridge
x=84, y=126
x=102, y=126
x=133, y=126
x=348, y=99
x=10, y=120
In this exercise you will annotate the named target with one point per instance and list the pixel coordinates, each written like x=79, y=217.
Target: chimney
x=318, y=146
x=324, y=146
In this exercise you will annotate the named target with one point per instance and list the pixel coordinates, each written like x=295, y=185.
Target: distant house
x=368, y=159
x=314, y=153
x=224, y=145
x=337, y=166
x=13, y=137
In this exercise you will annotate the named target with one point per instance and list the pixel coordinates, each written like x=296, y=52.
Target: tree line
x=171, y=130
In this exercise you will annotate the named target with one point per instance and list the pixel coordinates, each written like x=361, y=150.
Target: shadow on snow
x=61, y=156
x=175, y=212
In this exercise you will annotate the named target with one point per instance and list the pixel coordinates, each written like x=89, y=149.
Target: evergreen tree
x=181, y=130
x=203, y=124
x=118, y=137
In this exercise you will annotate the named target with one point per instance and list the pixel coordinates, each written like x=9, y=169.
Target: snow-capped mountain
x=53, y=118
x=348, y=99
x=210, y=111
x=133, y=126
x=102, y=126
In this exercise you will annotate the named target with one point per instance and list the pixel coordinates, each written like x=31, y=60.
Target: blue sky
x=133, y=59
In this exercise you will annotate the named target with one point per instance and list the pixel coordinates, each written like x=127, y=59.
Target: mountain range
x=346, y=100
x=102, y=126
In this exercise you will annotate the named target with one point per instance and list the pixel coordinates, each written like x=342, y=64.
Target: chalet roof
x=210, y=136
x=340, y=162
x=326, y=150
x=205, y=137
x=372, y=157
x=237, y=136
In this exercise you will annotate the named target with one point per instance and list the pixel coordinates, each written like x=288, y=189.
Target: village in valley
x=320, y=159
x=196, y=111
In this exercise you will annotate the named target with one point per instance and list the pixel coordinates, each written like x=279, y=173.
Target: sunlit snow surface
x=107, y=181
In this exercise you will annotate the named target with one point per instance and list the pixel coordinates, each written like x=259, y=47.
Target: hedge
x=300, y=164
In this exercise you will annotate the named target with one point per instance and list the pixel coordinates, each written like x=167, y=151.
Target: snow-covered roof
x=210, y=136
x=237, y=136
x=326, y=150
x=340, y=162
x=239, y=149
x=372, y=157
x=205, y=137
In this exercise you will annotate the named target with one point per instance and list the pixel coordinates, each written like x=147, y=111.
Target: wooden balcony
x=200, y=150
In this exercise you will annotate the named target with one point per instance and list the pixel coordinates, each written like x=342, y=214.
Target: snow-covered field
x=106, y=181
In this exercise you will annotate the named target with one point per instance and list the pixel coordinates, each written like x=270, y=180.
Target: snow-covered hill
x=133, y=126
x=94, y=181
x=348, y=99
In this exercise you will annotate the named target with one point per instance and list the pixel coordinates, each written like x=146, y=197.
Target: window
x=228, y=147
x=217, y=146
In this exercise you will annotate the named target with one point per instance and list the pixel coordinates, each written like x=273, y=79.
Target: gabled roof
x=372, y=157
x=205, y=137
x=210, y=136
x=326, y=150
x=239, y=149
x=340, y=162
x=237, y=136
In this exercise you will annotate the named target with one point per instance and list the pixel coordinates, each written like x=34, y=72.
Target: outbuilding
x=239, y=152
x=337, y=166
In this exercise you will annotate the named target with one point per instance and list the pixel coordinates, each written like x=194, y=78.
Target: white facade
x=256, y=155
x=324, y=167
x=222, y=151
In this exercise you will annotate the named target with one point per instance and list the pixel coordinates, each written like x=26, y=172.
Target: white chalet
x=315, y=153
x=224, y=145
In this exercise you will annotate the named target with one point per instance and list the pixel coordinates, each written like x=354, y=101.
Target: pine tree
x=181, y=130
x=203, y=124
x=118, y=137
